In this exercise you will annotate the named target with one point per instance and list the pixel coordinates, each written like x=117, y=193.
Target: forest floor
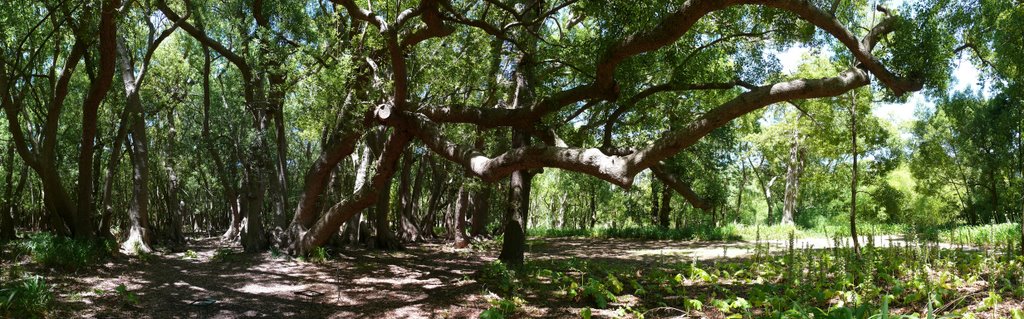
x=211, y=279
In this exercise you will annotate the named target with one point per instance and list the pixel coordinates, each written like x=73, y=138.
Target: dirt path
x=424, y=281
x=645, y=252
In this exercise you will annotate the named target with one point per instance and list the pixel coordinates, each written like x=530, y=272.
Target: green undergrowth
x=981, y=235
x=62, y=253
x=645, y=233
x=23, y=295
x=918, y=280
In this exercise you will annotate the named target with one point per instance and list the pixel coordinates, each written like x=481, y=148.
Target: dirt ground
x=422, y=281
x=211, y=279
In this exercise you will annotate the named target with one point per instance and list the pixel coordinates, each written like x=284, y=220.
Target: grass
x=913, y=281
x=982, y=235
x=645, y=233
x=26, y=296
x=63, y=253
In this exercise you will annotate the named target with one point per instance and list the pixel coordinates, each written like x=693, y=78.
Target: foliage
x=319, y=255
x=64, y=253
x=644, y=233
x=127, y=296
x=224, y=255
x=25, y=297
x=884, y=282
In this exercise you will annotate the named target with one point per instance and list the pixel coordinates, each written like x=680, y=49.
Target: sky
x=965, y=76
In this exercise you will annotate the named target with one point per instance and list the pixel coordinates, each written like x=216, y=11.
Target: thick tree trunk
x=7, y=209
x=83, y=220
x=666, y=207
x=364, y=197
x=139, y=238
x=338, y=146
x=175, y=207
x=354, y=226
x=461, y=206
x=383, y=238
x=408, y=191
x=254, y=237
x=481, y=212
x=514, y=244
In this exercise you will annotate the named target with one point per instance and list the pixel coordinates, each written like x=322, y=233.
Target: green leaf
x=585, y=313
x=492, y=313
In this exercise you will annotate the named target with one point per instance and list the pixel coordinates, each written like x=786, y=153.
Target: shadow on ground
x=424, y=281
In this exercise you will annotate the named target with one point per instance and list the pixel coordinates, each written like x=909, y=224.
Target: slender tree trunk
x=739, y=191
x=853, y=179
x=139, y=238
x=437, y=189
x=225, y=174
x=1020, y=168
x=593, y=207
x=792, y=178
x=110, y=174
x=562, y=203
x=655, y=190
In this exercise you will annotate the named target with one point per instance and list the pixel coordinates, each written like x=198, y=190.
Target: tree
x=72, y=209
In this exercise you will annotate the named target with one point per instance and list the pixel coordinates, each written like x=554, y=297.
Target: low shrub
x=25, y=297
x=64, y=253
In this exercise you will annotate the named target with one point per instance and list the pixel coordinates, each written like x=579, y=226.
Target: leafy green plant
x=596, y=292
x=191, y=254
x=27, y=297
x=63, y=253
x=222, y=255
x=126, y=296
x=585, y=313
x=502, y=307
x=498, y=277
x=319, y=255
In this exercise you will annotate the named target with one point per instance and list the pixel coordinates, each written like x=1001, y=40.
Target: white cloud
x=901, y=112
x=791, y=58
